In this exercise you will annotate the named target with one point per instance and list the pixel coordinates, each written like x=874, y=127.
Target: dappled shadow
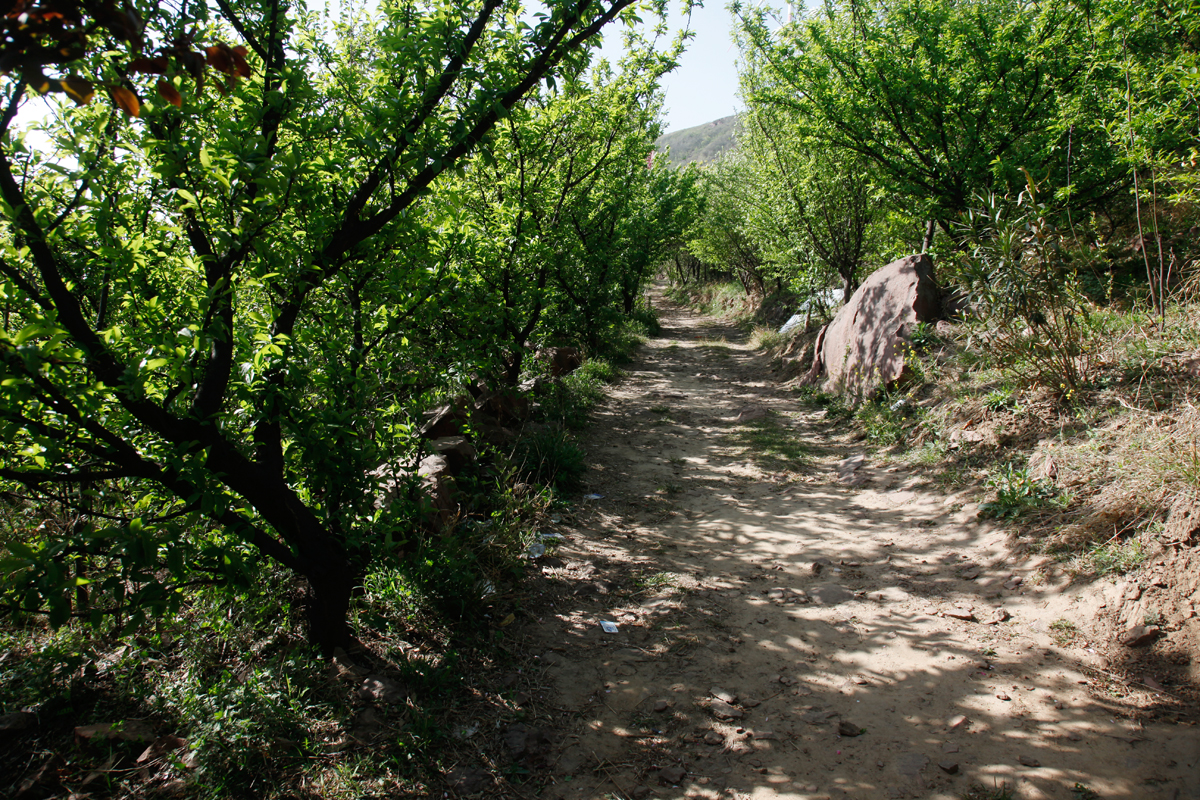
x=872, y=641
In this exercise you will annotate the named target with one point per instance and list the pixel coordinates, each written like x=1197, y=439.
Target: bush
x=1022, y=275
x=551, y=457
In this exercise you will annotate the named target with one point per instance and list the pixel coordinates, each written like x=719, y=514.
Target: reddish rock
x=1139, y=636
x=864, y=347
x=445, y=420
x=457, y=450
x=561, y=360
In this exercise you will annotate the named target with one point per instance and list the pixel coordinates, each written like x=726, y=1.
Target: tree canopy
x=223, y=309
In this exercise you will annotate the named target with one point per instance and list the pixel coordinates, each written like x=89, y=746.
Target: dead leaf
x=126, y=100
x=168, y=92
x=79, y=90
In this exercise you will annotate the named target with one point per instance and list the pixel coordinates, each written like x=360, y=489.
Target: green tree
x=208, y=308
x=946, y=99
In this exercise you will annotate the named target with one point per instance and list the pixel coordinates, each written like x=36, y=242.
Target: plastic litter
x=608, y=627
x=536, y=550
x=593, y=497
x=552, y=537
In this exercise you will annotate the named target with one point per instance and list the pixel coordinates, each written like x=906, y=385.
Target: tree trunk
x=930, y=229
x=330, y=587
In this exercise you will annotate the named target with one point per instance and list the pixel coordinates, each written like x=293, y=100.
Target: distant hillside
x=702, y=143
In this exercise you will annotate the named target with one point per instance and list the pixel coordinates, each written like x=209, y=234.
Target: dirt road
x=791, y=623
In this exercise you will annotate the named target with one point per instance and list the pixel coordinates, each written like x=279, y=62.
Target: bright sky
x=704, y=86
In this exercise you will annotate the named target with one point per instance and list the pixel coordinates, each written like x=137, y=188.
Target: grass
x=764, y=338
x=1115, y=557
x=1064, y=632
x=980, y=792
x=771, y=444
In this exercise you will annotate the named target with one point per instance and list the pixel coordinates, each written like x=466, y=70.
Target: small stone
x=723, y=696
x=1028, y=762
x=748, y=703
x=713, y=738
x=381, y=690
x=522, y=699
x=970, y=574
x=1014, y=582
x=765, y=735
x=640, y=792
x=1139, y=636
x=830, y=594
x=998, y=616
x=949, y=766
x=17, y=721
x=1003, y=696
x=672, y=775
x=957, y=721
x=1152, y=684
x=949, y=747
x=723, y=710
x=961, y=612
x=846, y=728
x=661, y=706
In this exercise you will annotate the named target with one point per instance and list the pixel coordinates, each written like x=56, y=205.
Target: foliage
x=1016, y=493
x=1022, y=273
x=551, y=456
x=222, y=314
x=1114, y=557
x=946, y=99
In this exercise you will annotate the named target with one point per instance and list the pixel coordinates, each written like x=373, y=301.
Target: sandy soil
x=786, y=626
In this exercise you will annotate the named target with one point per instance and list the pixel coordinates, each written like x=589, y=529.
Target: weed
x=655, y=582
x=924, y=335
x=883, y=422
x=1016, y=493
x=1152, y=618
x=980, y=792
x=764, y=338
x=1114, y=557
x=1082, y=792
x=551, y=457
x=670, y=488
x=660, y=409
x=1063, y=631
x=677, y=461
x=1000, y=399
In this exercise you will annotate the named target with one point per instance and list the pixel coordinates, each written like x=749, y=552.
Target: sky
x=704, y=86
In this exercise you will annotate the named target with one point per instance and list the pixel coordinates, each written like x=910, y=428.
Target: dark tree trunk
x=330, y=587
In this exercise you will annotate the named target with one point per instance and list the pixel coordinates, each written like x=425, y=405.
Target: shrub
x=1022, y=275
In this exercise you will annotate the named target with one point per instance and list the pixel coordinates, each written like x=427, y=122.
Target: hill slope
x=701, y=144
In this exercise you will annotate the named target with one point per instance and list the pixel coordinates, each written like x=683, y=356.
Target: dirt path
x=784, y=634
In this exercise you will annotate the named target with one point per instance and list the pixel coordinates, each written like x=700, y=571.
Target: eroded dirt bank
x=793, y=625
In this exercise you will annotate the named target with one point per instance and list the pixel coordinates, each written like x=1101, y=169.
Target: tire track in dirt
x=782, y=634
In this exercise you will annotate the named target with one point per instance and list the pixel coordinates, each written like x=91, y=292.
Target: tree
x=946, y=99
x=555, y=163
x=207, y=309
x=817, y=203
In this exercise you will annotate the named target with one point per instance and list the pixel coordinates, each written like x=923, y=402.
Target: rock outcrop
x=864, y=347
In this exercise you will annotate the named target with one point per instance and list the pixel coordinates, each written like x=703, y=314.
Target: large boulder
x=864, y=347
